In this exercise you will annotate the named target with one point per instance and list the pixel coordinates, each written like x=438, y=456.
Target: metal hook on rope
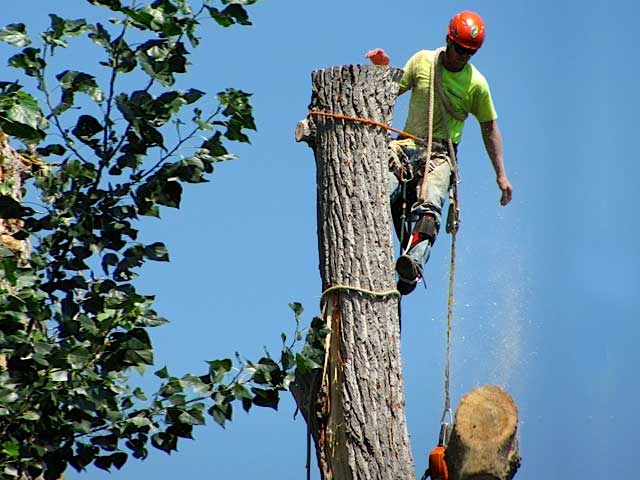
x=446, y=426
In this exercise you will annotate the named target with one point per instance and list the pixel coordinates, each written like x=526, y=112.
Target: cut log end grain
x=484, y=444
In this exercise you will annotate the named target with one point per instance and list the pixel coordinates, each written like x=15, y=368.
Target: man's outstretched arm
x=493, y=143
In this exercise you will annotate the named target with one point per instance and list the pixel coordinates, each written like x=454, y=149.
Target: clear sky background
x=547, y=288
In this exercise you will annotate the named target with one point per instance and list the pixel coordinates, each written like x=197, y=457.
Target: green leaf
x=11, y=208
x=109, y=259
x=237, y=13
x=266, y=372
x=119, y=459
x=164, y=441
x=140, y=421
x=159, y=17
x=139, y=394
x=265, y=398
x=195, y=383
x=103, y=462
x=219, y=368
x=30, y=416
x=240, y=391
x=71, y=82
x=25, y=111
x=287, y=359
x=297, y=308
x=230, y=15
x=86, y=127
x=79, y=357
x=247, y=403
x=305, y=364
x=240, y=114
x=21, y=117
x=218, y=415
x=114, y=5
x=193, y=95
x=212, y=148
x=162, y=373
x=11, y=471
x=11, y=449
x=29, y=60
x=61, y=28
x=157, y=251
x=15, y=34
x=53, y=149
x=59, y=376
x=129, y=349
x=239, y=2
x=192, y=417
x=100, y=36
x=160, y=60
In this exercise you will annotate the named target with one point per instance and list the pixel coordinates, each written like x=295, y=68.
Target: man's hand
x=507, y=190
x=378, y=56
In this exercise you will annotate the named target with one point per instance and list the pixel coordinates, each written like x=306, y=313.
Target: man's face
x=457, y=56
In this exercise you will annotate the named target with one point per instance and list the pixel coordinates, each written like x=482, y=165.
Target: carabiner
x=445, y=427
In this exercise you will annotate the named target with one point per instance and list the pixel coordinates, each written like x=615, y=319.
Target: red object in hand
x=377, y=56
x=437, y=466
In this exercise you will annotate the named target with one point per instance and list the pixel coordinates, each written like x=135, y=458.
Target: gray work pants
x=408, y=160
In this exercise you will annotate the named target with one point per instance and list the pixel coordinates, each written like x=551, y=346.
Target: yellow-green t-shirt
x=467, y=90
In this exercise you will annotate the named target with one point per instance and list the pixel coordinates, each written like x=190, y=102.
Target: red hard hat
x=467, y=29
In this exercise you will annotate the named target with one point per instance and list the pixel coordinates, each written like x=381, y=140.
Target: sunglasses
x=460, y=50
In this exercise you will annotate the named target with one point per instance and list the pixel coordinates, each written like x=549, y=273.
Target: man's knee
x=427, y=227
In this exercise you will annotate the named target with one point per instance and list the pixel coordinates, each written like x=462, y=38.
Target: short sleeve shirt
x=467, y=91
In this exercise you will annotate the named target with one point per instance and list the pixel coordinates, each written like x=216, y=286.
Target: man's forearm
x=493, y=143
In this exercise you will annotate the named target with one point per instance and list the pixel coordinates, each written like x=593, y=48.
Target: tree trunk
x=483, y=443
x=355, y=408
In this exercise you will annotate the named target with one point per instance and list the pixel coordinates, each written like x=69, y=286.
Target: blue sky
x=547, y=288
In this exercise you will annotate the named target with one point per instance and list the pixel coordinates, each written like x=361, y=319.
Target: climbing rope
x=367, y=121
x=447, y=368
x=348, y=288
x=437, y=465
x=432, y=80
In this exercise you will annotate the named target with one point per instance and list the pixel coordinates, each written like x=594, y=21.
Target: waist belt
x=437, y=144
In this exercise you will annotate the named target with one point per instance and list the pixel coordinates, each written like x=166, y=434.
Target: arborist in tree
x=423, y=162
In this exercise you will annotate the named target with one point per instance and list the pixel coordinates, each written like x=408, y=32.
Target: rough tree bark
x=356, y=410
x=483, y=444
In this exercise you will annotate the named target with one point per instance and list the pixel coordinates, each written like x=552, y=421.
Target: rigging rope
x=454, y=217
x=447, y=368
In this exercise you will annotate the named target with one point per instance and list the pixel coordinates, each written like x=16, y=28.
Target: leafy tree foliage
x=72, y=324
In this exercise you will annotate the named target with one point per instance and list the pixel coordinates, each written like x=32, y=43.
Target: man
x=463, y=90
